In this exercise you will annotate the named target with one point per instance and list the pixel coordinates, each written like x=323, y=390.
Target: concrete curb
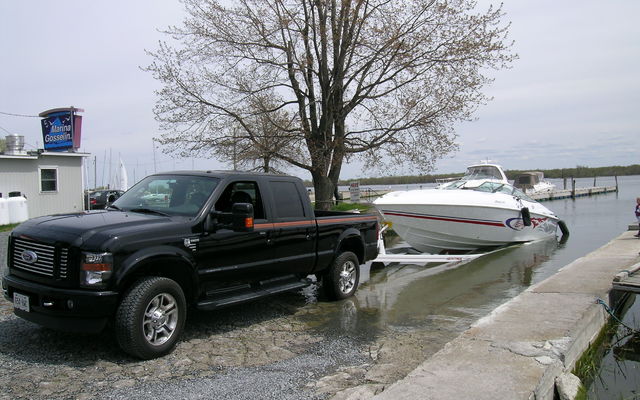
x=519, y=349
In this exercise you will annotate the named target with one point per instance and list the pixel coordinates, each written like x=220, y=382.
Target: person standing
x=638, y=216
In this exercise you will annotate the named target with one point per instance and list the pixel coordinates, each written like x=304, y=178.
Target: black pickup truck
x=207, y=239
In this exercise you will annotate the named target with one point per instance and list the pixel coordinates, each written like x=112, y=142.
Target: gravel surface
x=280, y=380
x=261, y=350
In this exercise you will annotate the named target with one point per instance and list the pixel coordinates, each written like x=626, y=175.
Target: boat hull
x=435, y=228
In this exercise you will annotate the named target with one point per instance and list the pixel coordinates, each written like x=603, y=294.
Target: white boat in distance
x=533, y=182
x=479, y=210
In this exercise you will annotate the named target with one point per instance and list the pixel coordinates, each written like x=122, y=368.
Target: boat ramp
x=526, y=348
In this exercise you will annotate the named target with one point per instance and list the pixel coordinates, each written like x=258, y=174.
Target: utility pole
x=153, y=140
x=95, y=172
x=110, y=168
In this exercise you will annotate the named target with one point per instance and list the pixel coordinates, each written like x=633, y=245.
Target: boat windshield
x=182, y=195
x=452, y=185
x=495, y=187
x=482, y=172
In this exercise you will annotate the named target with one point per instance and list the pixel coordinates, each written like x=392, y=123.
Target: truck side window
x=242, y=192
x=287, y=200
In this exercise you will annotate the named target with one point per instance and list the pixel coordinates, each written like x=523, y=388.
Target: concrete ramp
x=518, y=350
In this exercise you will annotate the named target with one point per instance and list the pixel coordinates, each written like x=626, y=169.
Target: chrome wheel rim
x=160, y=319
x=347, y=278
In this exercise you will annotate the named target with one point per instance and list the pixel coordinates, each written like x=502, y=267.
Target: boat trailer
x=421, y=259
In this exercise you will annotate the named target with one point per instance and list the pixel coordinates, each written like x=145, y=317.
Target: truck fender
x=352, y=240
x=144, y=257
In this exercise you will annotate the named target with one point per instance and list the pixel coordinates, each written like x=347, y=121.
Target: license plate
x=21, y=302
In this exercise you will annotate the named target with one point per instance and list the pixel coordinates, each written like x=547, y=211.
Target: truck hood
x=94, y=228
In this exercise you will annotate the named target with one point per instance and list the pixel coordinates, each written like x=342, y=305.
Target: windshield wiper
x=149, y=211
x=114, y=207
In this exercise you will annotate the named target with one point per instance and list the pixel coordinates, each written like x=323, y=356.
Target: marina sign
x=61, y=129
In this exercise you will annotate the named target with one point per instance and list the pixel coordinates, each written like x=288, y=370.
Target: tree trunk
x=265, y=166
x=324, y=189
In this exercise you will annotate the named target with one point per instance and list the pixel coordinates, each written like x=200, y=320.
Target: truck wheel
x=341, y=279
x=150, y=318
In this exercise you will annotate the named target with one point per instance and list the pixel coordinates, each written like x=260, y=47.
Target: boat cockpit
x=484, y=171
x=489, y=186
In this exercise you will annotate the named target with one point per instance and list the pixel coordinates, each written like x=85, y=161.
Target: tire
x=151, y=317
x=341, y=279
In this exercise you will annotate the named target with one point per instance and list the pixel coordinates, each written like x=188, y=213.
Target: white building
x=52, y=182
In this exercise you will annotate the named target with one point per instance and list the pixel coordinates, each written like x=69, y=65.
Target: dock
x=527, y=347
x=628, y=280
x=573, y=193
x=368, y=194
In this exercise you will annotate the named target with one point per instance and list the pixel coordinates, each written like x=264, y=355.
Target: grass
x=588, y=366
x=7, y=228
x=364, y=208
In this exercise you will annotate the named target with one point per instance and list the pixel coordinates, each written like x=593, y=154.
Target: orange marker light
x=248, y=222
x=95, y=267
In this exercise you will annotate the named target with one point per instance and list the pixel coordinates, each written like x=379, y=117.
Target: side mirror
x=242, y=217
x=211, y=222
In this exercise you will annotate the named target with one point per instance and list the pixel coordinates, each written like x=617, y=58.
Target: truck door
x=228, y=256
x=294, y=234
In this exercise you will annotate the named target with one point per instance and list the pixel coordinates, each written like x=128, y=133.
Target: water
x=619, y=372
x=400, y=302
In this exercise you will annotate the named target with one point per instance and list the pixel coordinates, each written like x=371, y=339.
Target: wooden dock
x=573, y=193
x=628, y=280
x=368, y=194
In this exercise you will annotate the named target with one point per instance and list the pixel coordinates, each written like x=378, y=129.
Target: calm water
x=436, y=304
x=619, y=373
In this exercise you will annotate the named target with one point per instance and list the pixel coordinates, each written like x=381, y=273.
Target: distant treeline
x=577, y=172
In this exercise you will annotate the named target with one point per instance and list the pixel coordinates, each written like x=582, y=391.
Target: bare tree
x=380, y=80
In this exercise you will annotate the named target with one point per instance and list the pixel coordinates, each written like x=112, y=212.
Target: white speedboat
x=471, y=213
x=533, y=182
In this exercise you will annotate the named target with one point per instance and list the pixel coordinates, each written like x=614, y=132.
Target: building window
x=48, y=180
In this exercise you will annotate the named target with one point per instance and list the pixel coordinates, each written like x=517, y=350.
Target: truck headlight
x=96, y=269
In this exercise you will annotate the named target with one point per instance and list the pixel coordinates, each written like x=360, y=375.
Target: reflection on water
x=628, y=349
x=619, y=373
x=430, y=297
x=411, y=294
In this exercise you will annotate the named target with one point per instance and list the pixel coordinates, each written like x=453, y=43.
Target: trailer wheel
x=151, y=317
x=341, y=279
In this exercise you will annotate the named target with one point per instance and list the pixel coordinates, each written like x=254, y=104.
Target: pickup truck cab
x=177, y=239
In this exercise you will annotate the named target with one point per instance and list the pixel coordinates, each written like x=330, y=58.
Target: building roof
x=35, y=156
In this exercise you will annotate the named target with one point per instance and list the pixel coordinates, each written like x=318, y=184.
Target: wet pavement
x=296, y=345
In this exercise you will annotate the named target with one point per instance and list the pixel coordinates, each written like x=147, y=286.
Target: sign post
x=354, y=192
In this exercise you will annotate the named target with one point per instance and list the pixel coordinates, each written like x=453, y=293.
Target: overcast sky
x=572, y=98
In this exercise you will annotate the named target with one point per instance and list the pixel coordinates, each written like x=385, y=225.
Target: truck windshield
x=182, y=195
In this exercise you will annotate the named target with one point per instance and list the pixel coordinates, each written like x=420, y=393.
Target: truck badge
x=28, y=256
x=191, y=243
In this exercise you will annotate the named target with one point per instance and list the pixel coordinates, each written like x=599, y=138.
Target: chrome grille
x=46, y=258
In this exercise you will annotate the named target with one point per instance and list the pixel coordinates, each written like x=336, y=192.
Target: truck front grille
x=64, y=261
x=39, y=258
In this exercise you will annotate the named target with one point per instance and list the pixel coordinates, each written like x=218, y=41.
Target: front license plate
x=21, y=302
